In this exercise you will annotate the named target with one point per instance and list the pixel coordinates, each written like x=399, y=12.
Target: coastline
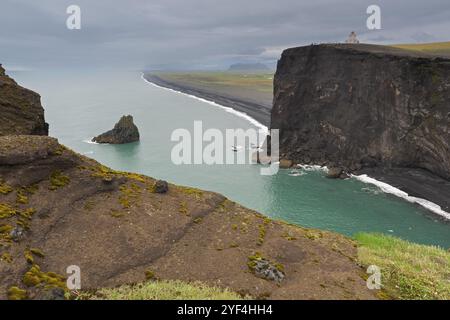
x=255, y=111
x=412, y=185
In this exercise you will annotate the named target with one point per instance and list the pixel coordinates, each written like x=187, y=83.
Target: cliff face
x=20, y=109
x=363, y=106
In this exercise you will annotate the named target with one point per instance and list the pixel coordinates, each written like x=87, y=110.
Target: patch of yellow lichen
x=6, y=211
x=4, y=188
x=58, y=180
x=15, y=293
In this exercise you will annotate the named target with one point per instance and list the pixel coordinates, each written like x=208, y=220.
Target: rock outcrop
x=356, y=106
x=125, y=131
x=21, y=111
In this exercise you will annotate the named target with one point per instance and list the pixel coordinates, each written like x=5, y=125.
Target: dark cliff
x=363, y=106
x=21, y=111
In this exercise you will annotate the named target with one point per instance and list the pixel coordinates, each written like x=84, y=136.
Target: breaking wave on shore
x=227, y=109
x=387, y=188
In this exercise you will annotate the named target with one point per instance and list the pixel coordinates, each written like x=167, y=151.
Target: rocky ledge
x=125, y=131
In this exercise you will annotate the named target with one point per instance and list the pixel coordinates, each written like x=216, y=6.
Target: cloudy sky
x=199, y=34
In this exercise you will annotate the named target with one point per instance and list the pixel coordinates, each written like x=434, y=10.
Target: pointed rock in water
x=125, y=131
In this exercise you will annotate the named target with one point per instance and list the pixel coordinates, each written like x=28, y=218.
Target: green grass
x=262, y=82
x=164, y=290
x=441, y=48
x=409, y=271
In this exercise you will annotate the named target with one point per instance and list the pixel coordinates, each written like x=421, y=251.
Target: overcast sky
x=199, y=34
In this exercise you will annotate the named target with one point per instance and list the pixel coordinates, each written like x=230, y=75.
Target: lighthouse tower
x=352, y=38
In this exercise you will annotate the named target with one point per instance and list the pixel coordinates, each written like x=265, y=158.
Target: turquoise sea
x=85, y=103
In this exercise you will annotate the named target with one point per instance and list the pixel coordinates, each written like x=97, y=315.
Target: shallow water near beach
x=82, y=104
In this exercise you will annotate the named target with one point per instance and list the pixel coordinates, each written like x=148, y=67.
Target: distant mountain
x=248, y=67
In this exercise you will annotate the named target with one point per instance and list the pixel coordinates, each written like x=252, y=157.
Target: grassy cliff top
x=435, y=48
x=413, y=51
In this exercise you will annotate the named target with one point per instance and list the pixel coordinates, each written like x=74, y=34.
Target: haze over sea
x=83, y=104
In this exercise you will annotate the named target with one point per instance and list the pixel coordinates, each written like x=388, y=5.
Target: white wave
x=90, y=141
x=87, y=153
x=296, y=173
x=307, y=167
x=240, y=114
x=387, y=188
x=372, y=190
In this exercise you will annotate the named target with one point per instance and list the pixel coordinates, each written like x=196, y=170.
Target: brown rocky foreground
x=58, y=208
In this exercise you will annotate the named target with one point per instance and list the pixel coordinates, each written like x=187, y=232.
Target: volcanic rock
x=125, y=131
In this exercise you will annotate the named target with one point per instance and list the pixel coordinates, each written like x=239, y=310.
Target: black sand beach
x=258, y=111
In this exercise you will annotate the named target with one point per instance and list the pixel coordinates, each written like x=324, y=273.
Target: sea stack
x=125, y=131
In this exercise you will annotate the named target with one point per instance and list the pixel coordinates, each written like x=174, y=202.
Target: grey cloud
x=199, y=33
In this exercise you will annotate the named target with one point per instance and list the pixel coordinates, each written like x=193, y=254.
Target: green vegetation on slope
x=440, y=48
x=409, y=270
x=164, y=290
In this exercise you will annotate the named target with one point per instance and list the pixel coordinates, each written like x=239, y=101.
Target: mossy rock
x=6, y=211
x=21, y=198
x=262, y=234
x=183, y=209
x=6, y=228
x=58, y=180
x=6, y=257
x=265, y=268
x=35, y=277
x=37, y=252
x=15, y=293
x=4, y=188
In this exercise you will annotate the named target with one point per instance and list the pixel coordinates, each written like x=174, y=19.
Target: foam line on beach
x=387, y=188
x=226, y=109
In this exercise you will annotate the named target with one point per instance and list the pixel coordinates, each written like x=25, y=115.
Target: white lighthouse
x=352, y=38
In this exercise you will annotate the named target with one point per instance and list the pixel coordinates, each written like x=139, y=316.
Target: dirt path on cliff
x=116, y=228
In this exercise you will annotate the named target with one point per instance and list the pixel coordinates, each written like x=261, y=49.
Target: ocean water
x=84, y=103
